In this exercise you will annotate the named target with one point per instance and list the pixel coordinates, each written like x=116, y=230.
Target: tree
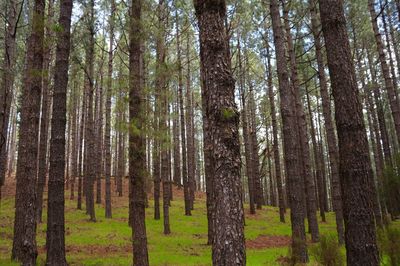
x=45, y=113
x=107, y=139
x=223, y=122
x=137, y=157
x=277, y=162
x=329, y=127
x=354, y=162
x=24, y=242
x=55, y=240
x=6, y=93
x=291, y=141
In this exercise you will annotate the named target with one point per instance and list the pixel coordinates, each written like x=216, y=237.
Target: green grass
x=108, y=241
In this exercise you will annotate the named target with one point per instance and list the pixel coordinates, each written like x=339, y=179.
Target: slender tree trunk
x=318, y=166
x=44, y=119
x=90, y=134
x=228, y=247
x=191, y=149
x=291, y=143
x=74, y=138
x=391, y=93
x=24, y=242
x=137, y=160
x=162, y=87
x=107, y=139
x=277, y=162
x=255, y=159
x=156, y=158
x=354, y=162
x=81, y=154
x=185, y=177
x=247, y=147
x=329, y=127
x=55, y=237
x=6, y=92
x=303, y=137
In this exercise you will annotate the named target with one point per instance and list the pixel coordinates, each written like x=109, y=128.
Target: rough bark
x=24, y=242
x=354, y=163
x=55, y=237
x=137, y=156
x=90, y=134
x=44, y=119
x=329, y=127
x=228, y=247
x=291, y=143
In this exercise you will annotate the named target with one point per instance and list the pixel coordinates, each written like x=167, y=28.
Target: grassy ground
x=108, y=241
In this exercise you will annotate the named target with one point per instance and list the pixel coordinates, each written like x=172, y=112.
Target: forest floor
x=108, y=241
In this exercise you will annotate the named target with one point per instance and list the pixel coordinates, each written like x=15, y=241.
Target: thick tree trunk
x=137, y=160
x=55, y=237
x=228, y=247
x=291, y=142
x=329, y=127
x=354, y=162
x=24, y=242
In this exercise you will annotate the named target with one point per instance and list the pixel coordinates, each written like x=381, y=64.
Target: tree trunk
x=6, y=92
x=55, y=237
x=318, y=166
x=89, y=134
x=24, y=242
x=228, y=247
x=107, y=138
x=275, y=147
x=329, y=127
x=354, y=163
x=391, y=93
x=303, y=137
x=191, y=149
x=291, y=143
x=137, y=160
x=185, y=177
x=45, y=114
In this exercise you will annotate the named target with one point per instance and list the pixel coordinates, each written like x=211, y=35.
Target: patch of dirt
x=264, y=241
x=98, y=250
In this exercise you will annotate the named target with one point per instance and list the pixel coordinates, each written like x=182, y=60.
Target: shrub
x=327, y=252
x=389, y=245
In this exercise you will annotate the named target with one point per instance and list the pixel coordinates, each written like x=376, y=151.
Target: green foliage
x=389, y=245
x=390, y=190
x=327, y=252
